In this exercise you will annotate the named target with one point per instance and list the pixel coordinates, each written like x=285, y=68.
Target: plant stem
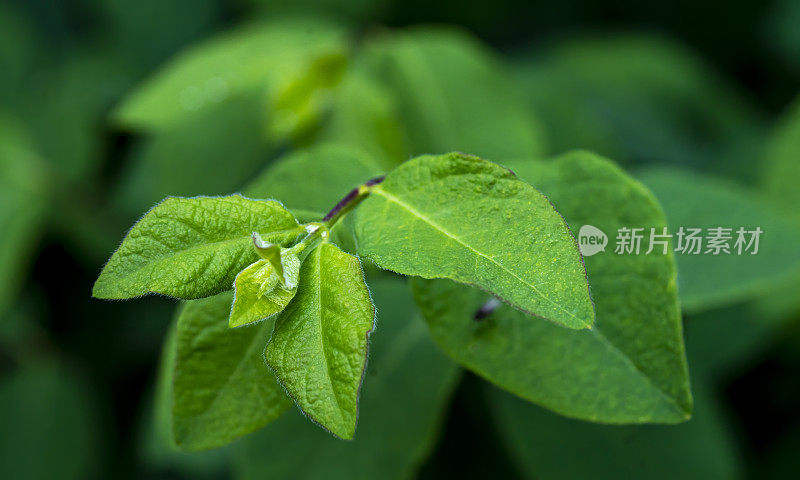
x=319, y=231
x=350, y=201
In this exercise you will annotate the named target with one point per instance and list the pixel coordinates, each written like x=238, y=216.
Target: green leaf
x=192, y=247
x=266, y=58
x=50, y=425
x=409, y=383
x=315, y=178
x=221, y=389
x=693, y=200
x=704, y=447
x=23, y=201
x=318, y=350
x=158, y=450
x=259, y=292
x=630, y=366
x=460, y=217
x=271, y=252
x=452, y=95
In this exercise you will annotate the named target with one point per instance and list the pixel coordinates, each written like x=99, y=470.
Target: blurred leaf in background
x=640, y=99
x=695, y=200
x=24, y=197
x=453, y=95
x=212, y=154
x=157, y=447
x=49, y=425
x=781, y=173
x=65, y=105
x=237, y=395
x=264, y=58
x=365, y=114
x=779, y=179
x=248, y=91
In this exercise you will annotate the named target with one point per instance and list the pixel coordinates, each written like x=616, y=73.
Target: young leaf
x=318, y=350
x=271, y=252
x=460, y=217
x=705, y=280
x=452, y=95
x=221, y=389
x=407, y=391
x=630, y=367
x=192, y=247
x=259, y=292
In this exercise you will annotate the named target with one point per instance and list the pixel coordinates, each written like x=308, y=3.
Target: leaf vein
x=441, y=229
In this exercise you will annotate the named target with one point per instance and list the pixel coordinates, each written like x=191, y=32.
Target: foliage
x=582, y=374
x=323, y=314
x=440, y=317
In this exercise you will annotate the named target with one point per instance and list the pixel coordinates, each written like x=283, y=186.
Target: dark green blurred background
x=708, y=86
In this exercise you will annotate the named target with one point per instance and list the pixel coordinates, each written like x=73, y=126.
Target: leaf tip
x=346, y=435
x=233, y=322
x=577, y=321
x=102, y=291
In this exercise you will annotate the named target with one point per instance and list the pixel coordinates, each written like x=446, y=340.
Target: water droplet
x=191, y=98
x=216, y=89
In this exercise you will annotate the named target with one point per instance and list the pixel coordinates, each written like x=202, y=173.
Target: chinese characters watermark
x=687, y=241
